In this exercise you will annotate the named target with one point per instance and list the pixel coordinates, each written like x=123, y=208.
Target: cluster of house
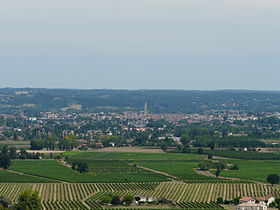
x=255, y=203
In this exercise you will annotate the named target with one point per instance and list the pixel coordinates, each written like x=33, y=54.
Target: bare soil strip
x=158, y=172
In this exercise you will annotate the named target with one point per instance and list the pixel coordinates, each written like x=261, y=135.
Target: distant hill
x=159, y=101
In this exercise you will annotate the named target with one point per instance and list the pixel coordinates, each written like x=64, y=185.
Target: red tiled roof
x=245, y=199
x=264, y=198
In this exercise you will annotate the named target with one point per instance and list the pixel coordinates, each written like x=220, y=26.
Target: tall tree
x=5, y=161
x=29, y=200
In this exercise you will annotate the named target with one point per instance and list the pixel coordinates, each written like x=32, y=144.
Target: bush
x=4, y=202
x=220, y=200
x=82, y=167
x=105, y=199
x=186, y=149
x=205, y=165
x=116, y=200
x=273, y=179
x=234, y=167
x=200, y=151
x=128, y=199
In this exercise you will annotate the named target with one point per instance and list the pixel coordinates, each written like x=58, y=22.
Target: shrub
x=128, y=199
x=105, y=199
x=220, y=200
x=116, y=200
x=200, y=151
x=205, y=165
x=273, y=179
x=234, y=167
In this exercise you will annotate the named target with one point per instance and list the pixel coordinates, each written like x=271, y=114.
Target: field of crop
x=85, y=194
x=184, y=170
x=245, y=155
x=119, y=171
x=253, y=169
x=49, y=169
x=17, y=144
x=9, y=177
x=131, y=156
x=100, y=172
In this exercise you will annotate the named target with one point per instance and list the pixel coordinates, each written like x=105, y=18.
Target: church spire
x=146, y=108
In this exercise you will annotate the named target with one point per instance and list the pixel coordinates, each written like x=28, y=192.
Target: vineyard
x=131, y=156
x=119, y=171
x=252, y=169
x=9, y=177
x=184, y=170
x=103, y=171
x=86, y=195
x=245, y=155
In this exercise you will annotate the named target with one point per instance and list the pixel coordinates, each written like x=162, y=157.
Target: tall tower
x=145, y=109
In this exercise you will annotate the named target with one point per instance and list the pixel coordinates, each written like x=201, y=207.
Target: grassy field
x=132, y=156
x=252, y=169
x=103, y=173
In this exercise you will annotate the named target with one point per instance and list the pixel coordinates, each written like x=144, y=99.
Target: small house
x=251, y=206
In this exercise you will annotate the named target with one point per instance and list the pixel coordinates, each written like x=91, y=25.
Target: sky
x=140, y=44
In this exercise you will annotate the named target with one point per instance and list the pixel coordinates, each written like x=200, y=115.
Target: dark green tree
x=36, y=144
x=200, y=151
x=13, y=152
x=82, y=167
x=273, y=179
x=5, y=161
x=116, y=200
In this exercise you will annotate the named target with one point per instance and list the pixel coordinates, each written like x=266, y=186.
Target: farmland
x=184, y=170
x=245, y=155
x=6, y=176
x=49, y=169
x=65, y=194
x=131, y=156
x=119, y=171
x=121, y=174
x=253, y=170
x=100, y=172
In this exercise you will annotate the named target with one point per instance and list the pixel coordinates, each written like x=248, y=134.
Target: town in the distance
x=146, y=149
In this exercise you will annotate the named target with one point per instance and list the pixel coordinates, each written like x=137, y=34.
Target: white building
x=251, y=206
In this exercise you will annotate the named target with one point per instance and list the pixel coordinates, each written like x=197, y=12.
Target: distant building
x=145, y=198
x=266, y=200
x=112, y=144
x=146, y=109
x=99, y=145
x=251, y=206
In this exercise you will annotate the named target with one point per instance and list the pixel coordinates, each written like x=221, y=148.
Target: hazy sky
x=140, y=44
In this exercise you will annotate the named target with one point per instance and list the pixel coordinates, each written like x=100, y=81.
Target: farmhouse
x=145, y=199
x=266, y=200
x=251, y=206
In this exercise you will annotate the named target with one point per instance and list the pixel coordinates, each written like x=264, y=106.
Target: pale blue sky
x=140, y=44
